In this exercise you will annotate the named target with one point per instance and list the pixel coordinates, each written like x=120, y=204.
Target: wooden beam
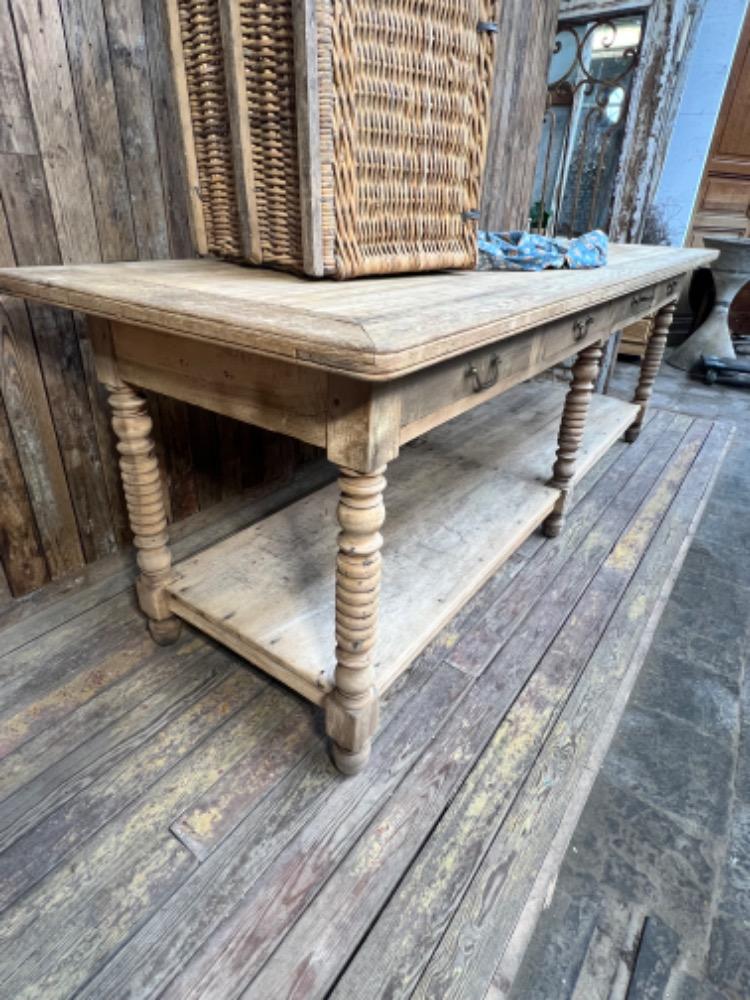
x=519, y=93
x=178, y=89
x=239, y=123
x=308, y=134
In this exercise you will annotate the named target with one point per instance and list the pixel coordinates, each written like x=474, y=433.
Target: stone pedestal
x=730, y=272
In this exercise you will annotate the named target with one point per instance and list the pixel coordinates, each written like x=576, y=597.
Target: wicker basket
x=334, y=137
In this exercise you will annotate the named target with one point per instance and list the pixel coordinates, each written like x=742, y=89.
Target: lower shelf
x=458, y=503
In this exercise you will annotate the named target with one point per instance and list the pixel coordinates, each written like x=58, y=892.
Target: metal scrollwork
x=587, y=105
x=578, y=75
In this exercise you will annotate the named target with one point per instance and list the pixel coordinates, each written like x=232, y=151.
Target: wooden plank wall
x=88, y=173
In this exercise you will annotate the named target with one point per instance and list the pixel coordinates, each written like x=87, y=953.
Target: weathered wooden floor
x=170, y=823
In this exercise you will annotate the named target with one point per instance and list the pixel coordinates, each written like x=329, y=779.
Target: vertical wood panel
x=23, y=562
x=525, y=40
x=30, y=420
x=16, y=126
x=132, y=82
x=41, y=41
x=80, y=180
x=168, y=129
x=91, y=73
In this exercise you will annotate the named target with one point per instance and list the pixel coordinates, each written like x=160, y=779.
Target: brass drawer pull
x=581, y=327
x=493, y=372
x=642, y=299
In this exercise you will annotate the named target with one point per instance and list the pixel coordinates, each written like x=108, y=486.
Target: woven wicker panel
x=409, y=117
x=204, y=70
x=402, y=89
x=268, y=46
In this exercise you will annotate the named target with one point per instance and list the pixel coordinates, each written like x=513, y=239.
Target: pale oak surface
x=480, y=487
x=374, y=328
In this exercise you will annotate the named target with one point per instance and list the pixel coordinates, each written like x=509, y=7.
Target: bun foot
x=165, y=632
x=350, y=762
x=552, y=527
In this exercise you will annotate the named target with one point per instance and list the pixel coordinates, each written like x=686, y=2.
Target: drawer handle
x=672, y=286
x=642, y=299
x=493, y=372
x=581, y=327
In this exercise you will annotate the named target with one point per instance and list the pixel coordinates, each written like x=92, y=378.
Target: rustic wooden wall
x=88, y=172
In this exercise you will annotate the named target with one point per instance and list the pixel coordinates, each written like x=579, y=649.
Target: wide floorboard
x=170, y=824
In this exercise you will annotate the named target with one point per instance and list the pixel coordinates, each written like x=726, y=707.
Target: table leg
x=576, y=408
x=145, y=502
x=650, y=367
x=352, y=707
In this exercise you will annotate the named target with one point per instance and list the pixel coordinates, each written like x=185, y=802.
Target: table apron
x=434, y=395
x=362, y=424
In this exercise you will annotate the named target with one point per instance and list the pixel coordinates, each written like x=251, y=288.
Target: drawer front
x=433, y=395
x=560, y=340
x=644, y=303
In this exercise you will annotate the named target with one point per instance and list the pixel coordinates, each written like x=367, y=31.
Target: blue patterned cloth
x=519, y=251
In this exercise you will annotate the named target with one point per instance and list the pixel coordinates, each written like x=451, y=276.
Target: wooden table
x=360, y=369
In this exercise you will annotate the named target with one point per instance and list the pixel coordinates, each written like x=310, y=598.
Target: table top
x=372, y=328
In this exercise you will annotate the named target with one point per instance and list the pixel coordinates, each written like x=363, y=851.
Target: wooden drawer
x=560, y=340
x=565, y=338
x=638, y=305
x=436, y=394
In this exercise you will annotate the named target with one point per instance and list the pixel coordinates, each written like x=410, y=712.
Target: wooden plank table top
x=373, y=328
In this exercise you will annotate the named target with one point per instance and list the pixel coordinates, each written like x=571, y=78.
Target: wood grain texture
x=29, y=415
x=422, y=910
x=439, y=559
x=526, y=36
x=41, y=41
x=135, y=112
x=307, y=99
x=654, y=101
x=24, y=565
x=371, y=328
x=305, y=880
x=96, y=110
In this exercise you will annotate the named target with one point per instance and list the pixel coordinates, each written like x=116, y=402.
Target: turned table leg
x=143, y=494
x=576, y=408
x=650, y=367
x=352, y=707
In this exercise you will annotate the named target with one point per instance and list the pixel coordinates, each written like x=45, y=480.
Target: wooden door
x=723, y=205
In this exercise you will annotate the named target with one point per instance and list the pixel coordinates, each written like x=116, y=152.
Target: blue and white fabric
x=519, y=251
